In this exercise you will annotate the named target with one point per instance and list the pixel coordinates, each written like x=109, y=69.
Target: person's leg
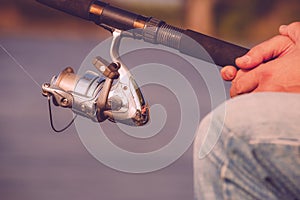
x=257, y=154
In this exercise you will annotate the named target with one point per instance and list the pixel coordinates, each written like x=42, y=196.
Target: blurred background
x=37, y=164
x=246, y=22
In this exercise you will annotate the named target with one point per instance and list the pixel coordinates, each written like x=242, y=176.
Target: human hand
x=273, y=65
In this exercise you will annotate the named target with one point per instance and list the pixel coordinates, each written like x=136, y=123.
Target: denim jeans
x=249, y=148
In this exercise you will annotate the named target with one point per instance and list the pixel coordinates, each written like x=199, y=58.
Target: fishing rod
x=113, y=93
x=151, y=30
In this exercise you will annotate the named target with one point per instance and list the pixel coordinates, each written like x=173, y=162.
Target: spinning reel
x=111, y=94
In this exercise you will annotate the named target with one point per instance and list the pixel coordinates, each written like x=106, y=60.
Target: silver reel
x=110, y=94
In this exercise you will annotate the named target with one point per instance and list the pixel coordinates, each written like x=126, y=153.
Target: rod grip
x=79, y=8
x=222, y=53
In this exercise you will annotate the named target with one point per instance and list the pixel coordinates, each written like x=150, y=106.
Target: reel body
x=111, y=94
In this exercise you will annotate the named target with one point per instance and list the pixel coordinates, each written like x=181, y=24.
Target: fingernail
x=229, y=75
x=244, y=59
x=282, y=28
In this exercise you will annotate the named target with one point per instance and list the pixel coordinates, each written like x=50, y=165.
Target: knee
x=248, y=117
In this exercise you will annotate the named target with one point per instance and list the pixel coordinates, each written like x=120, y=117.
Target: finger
x=228, y=73
x=245, y=82
x=264, y=52
x=269, y=87
x=292, y=31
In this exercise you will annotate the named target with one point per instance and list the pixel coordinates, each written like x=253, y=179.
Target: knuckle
x=294, y=30
x=232, y=92
x=239, y=89
x=236, y=87
x=257, y=51
x=294, y=25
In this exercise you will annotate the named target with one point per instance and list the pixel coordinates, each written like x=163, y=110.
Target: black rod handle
x=221, y=52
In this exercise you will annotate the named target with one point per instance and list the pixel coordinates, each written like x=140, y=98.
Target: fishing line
x=18, y=63
x=51, y=119
x=31, y=77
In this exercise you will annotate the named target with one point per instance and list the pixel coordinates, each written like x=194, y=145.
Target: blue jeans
x=249, y=148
